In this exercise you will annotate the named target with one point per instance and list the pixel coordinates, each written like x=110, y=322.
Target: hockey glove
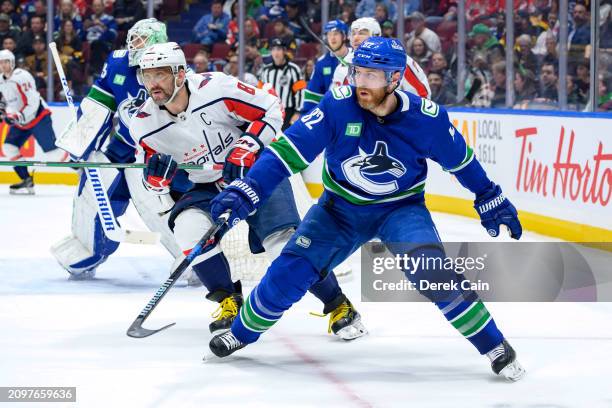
x=240, y=196
x=494, y=210
x=159, y=172
x=14, y=118
x=242, y=156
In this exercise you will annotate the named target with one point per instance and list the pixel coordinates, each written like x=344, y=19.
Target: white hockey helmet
x=366, y=23
x=6, y=55
x=163, y=55
x=143, y=34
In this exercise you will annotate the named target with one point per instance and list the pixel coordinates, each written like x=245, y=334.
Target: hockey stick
x=136, y=330
x=100, y=165
x=111, y=228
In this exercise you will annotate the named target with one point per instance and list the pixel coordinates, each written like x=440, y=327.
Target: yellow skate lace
x=227, y=308
x=337, y=314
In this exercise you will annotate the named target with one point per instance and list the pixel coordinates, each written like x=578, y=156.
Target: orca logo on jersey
x=130, y=106
x=375, y=173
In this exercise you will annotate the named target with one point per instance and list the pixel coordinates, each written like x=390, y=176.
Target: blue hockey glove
x=159, y=172
x=494, y=210
x=242, y=157
x=240, y=196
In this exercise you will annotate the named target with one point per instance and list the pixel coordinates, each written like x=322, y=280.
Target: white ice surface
x=59, y=333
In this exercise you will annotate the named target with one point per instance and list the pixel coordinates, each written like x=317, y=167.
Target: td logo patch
x=119, y=79
x=327, y=71
x=303, y=241
x=353, y=129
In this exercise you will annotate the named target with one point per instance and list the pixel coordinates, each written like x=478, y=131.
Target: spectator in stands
x=7, y=7
x=439, y=64
x=348, y=13
x=36, y=28
x=270, y=11
x=479, y=93
x=583, y=77
x=101, y=31
x=524, y=55
x=410, y=6
x=282, y=31
x=439, y=93
x=201, y=63
x=524, y=88
x=451, y=54
x=581, y=34
x=367, y=8
x=381, y=13
x=67, y=11
x=551, y=54
x=575, y=98
x=387, y=29
x=252, y=57
x=6, y=30
x=420, y=53
x=69, y=47
x=231, y=68
x=10, y=44
x=37, y=63
x=251, y=29
x=294, y=10
x=553, y=30
x=605, y=92
x=419, y=30
x=482, y=39
x=127, y=13
x=212, y=27
x=438, y=11
x=36, y=8
x=308, y=69
x=498, y=71
x=548, y=84
x=522, y=24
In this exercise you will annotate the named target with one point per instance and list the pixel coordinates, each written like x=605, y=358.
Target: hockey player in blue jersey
x=116, y=94
x=376, y=140
x=335, y=32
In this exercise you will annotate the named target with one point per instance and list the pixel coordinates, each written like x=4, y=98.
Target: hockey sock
x=474, y=322
x=285, y=282
x=22, y=172
x=328, y=291
x=462, y=308
x=214, y=273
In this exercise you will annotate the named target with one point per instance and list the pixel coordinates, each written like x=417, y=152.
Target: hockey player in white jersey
x=101, y=133
x=22, y=107
x=222, y=124
x=414, y=79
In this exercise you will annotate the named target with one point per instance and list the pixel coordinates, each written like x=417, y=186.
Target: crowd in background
x=87, y=30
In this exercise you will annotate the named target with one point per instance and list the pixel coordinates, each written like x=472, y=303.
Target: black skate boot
x=25, y=187
x=224, y=344
x=504, y=363
x=345, y=321
x=229, y=305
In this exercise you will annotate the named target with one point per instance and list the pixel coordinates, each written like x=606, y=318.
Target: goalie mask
x=142, y=35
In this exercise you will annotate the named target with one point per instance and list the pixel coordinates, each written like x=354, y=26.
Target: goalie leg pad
x=211, y=267
x=89, y=247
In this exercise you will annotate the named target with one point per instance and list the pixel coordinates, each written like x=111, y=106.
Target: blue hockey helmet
x=337, y=25
x=385, y=54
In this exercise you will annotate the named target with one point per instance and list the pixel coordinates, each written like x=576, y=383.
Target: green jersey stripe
x=103, y=97
x=310, y=96
x=469, y=156
x=289, y=154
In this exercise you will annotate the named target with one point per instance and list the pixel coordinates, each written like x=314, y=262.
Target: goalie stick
x=111, y=228
x=136, y=330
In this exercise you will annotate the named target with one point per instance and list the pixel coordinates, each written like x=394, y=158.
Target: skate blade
x=513, y=371
x=355, y=330
x=22, y=191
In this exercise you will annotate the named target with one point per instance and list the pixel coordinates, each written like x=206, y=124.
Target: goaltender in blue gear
x=376, y=139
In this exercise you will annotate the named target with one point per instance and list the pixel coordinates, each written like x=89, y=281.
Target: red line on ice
x=340, y=385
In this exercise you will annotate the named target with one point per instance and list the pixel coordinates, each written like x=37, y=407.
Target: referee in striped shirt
x=286, y=78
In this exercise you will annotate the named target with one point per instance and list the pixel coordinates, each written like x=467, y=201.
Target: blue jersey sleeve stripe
x=469, y=156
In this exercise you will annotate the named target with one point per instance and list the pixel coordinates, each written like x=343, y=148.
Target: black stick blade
x=138, y=332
